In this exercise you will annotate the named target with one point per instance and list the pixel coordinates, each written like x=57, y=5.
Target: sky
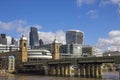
x=98, y=19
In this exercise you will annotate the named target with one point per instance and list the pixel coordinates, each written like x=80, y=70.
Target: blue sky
x=96, y=18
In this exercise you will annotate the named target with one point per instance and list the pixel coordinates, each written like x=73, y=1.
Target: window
x=24, y=44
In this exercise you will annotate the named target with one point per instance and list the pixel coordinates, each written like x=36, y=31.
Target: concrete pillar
x=70, y=70
x=92, y=72
x=66, y=70
x=49, y=70
x=78, y=72
x=82, y=70
x=100, y=71
x=53, y=71
x=75, y=71
x=58, y=70
x=88, y=70
x=46, y=70
x=63, y=71
x=96, y=71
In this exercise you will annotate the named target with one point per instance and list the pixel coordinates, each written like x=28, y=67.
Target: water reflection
x=106, y=76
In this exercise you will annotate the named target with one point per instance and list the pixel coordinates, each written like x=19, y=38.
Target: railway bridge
x=84, y=67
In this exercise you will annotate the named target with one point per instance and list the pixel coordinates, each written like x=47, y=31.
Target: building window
x=24, y=44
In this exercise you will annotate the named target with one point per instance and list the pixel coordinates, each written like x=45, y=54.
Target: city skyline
x=98, y=19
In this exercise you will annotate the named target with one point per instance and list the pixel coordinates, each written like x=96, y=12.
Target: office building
x=111, y=53
x=91, y=51
x=74, y=37
x=41, y=42
x=34, y=40
x=71, y=51
x=3, y=39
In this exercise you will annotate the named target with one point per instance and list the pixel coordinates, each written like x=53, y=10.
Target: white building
x=91, y=51
x=38, y=54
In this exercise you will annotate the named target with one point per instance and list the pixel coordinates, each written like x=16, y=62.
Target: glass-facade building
x=74, y=36
x=71, y=50
x=34, y=40
x=3, y=39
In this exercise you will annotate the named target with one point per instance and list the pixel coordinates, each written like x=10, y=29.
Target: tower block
x=23, y=49
x=55, y=47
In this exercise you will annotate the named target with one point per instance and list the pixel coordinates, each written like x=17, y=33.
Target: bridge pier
x=62, y=70
x=78, y=72
x=70, y=70
x=82, y=70
x=92, y=70
x=87, y=70
x=58, y=70
x=100, y=70
x=66, y=70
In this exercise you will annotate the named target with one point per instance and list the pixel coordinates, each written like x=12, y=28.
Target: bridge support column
x=82, y=70
x=46, y=70
x=66, y=71
x=78, y=72
x=63, y=71
x=100, y=71
x=88, y=70
x=58, y=70
x=92, y=72
x=97, y=71
x=49, y=70
x=70, y=71
x=52, y=71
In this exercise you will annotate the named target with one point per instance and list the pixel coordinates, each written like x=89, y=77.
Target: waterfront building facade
x=33, y=36
x=111, y=53
x=38, y=54
x=91, y=51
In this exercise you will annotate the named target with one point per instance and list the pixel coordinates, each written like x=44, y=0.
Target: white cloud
x=92, y=13
x=81, y=2
x=12, y=24
x=48, y=37
x=22, y=27
x=114, y=2
x=114, y=33
x=112, y=42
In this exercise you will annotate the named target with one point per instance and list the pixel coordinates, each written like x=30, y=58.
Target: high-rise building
x=41, y=42
x=3, y=39
x=74, y=36
x=34, y=41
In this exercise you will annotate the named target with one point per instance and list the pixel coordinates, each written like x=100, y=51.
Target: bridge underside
x=83, y=67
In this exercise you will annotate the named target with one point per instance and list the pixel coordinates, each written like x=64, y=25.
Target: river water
x=106, y=76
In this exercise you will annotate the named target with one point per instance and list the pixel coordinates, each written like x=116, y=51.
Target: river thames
x=106, y=76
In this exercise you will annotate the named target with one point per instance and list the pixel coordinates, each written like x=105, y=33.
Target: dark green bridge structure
x=84, y=67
